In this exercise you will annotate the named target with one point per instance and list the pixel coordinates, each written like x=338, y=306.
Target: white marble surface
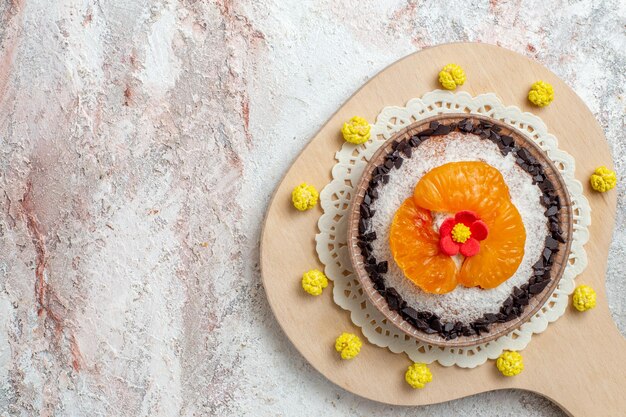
x=139, y=145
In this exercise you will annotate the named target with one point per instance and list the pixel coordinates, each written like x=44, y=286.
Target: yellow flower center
x=460, y=233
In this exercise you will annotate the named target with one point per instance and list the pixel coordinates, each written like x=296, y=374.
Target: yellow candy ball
x=304, y=197
x=451, y=76
x=603, y=179
x=314, y=281
x=541, y=94
x=418, y=375
x=356, y=131
x=510, y=363
x=349, y=345
x=584, y=298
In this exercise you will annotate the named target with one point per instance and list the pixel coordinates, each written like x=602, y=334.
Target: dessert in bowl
x=459, y=229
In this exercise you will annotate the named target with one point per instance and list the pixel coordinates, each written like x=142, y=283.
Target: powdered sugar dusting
x=463, y=304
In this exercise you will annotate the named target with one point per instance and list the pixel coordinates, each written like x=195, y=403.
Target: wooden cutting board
x=579, y=362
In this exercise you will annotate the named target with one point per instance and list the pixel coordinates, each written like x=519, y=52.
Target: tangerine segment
x=415, y=248
x=500, y=254
x=461, y=186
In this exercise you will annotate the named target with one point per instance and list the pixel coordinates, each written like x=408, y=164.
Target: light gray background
x=139, y=145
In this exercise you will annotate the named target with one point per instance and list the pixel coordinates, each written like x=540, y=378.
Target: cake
x=460, y=229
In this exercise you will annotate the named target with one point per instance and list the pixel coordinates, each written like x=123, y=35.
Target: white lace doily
x=335, y=201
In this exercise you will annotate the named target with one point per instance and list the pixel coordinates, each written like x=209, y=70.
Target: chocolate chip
x=551, y=243
x=429, y=330
x=385, y=179
x=466, y=126
x=398, y=162
x=538, y=287
x=362, y=225
x=448, y=327
x=508, y=302
x=538, y=265
x=517, y=292
x=379, y=285
x=410, y=312
x=367, y=199
x=522, y=301
x=511, y=316
x=547, y=254
x=414, y=141
x=559, y=237
x=389, y=164
x=481, y=322
x=368, y=237
x=490, y=318
x=546, y=185
x=435, y=324
x=434, y=124
x=477, y=131
x=364, y=209
x=408, y=151
x=480, y=327
x=551, y=211
x=365, y=245
x=382, y=267
x=442, y=130
x=523, y=153
x=555, y=228
x=373, y=193
x=425, y=315
x=426, y=133
x=506, y=140
x=420, y=324
x=394, y=300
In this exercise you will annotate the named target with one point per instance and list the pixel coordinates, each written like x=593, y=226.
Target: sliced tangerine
x=415, y=248
x=458, y=186
x=500, y=254
x=452, y=188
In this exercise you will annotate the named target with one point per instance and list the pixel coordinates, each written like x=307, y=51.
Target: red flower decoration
x=471, y=230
